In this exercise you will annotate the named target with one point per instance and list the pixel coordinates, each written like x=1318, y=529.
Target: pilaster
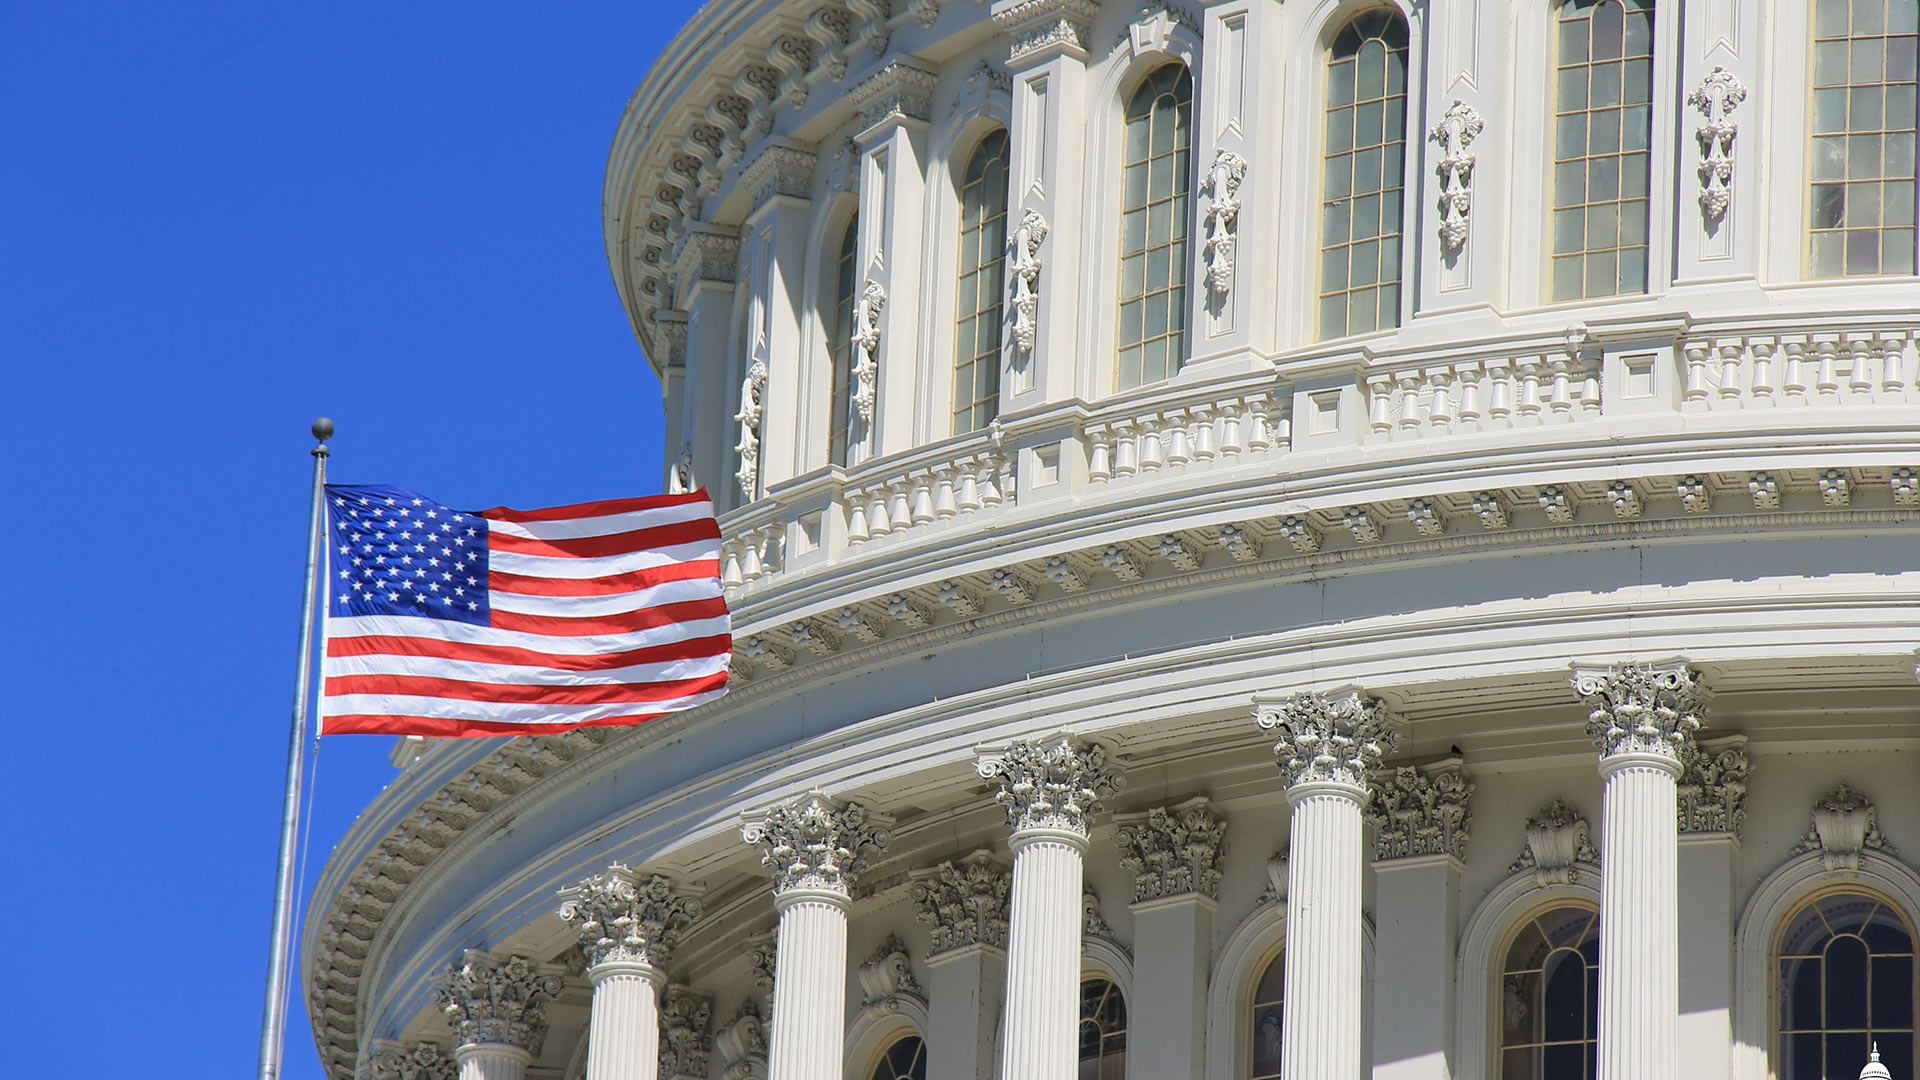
x=1176, y=855
x=780, y=179
x=1642, y=718
x=497, y=1010
x=1421, y=818
x=964, y=905
x=704, y=271
x=1458, y=128
x=1718, y=217
x=1237, y=176
x=1048, y=63
x=1326, y=746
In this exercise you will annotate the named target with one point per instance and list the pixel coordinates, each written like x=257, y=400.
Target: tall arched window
x=1602, y=129
x=1846, y=981
x=1364, y=152
x=1862, y=198
x=1549, y=997
x=1153, y=227
x=1103, y=1031
x=983, y=254
x=1263, y=1025
x=905, y=1059
x=840, y=344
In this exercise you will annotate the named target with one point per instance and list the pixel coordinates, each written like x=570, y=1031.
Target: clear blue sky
x=218, y=221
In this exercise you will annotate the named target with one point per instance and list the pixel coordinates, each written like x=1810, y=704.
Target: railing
x=1823, y=367
x=1136, y=438
x=912, y=493
x=1481, y=395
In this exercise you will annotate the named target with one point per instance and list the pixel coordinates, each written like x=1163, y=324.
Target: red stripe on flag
x=603, y=586
x=595, y=509
x=516, y=694
x=624, y=623
x=380, y=645
x=590, y=547
x=448, y=727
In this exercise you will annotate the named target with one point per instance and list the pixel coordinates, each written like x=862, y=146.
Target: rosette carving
x=489, y=1000
x=1174, y=850
x=1642, y=708
x=1416, y=814
x=1055, y=783
x=963, y=903
x=622, y=919
x=816, y=843
x=1328, y=738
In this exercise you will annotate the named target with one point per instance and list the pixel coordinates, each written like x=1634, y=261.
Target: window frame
x=1496, y=972
x=1809, y=178
x=1777, y=939
x=1409, y=151
x=962, y=167
x=1182, y=260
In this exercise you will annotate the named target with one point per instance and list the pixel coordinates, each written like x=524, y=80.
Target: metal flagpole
x=273, y=1023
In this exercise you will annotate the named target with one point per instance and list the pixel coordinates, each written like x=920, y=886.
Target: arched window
x=1846, y=981
x=1103, y=1031
x=1862, y=194
x=1602, y=129
x=1264, y=1025
x=840, y=344
x=983, y=253
x=1549, y=997
x=1153, y=227
x=905, y=1059
x=1364, y=152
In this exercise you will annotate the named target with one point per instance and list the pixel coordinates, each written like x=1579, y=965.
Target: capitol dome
x=1266, y=541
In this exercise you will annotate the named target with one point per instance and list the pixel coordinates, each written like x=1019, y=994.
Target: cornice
x=900, y=90
x=1042, y=29
x=782, y=169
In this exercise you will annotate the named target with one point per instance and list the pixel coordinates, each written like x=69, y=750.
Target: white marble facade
x=1267, y=541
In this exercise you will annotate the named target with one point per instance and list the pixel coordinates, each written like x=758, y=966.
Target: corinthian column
x=1641, y=717
x=1051, y=790
x=815, y=846
x=1326, y=746
x=497, y=1009
x=628, y=929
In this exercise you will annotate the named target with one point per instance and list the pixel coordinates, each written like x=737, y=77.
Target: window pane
x=1602, y=131
x=1547, y=999
x=1863, y=108
x=1153, y=227
x=840, y=345
x=1363, y=164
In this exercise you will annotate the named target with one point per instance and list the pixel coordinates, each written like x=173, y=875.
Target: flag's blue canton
x=394, y=552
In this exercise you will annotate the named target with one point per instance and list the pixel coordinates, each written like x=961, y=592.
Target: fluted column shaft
x=1043, y=956
x=1321, y=1011
x=492, y=1061
x=1639, y=919
x=623, y=1039
x=809, y=986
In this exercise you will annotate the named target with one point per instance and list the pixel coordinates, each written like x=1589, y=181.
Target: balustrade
x=1862, y=366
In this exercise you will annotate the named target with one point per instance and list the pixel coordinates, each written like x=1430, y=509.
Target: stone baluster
x=497, y=1009
x=1326, y=745
x=1642, y=718
x=628, y=928
x=1051, y=788
x=816, y=847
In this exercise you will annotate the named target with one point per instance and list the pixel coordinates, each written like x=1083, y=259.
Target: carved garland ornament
x=866, y=348
x=1055, y=784
x=748, y=448
x=623, y=920
x=486, y=1000
x=1716, y=97
x=1415, y=814
x=1023, y=251
x=1328, y=738
x=1455, y=132
x=816, y=843
x=1223, y=219
x=1174, y=851
x=964, y=903
x=1642, y=708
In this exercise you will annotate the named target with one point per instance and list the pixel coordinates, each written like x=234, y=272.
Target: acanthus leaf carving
x=1174, y=851
x=1056, y=784
x=1222, y=224
x=1091, y=922
x=742, y=1043
x=1844, y=825
x=423, y=1061
x=1337, y=738
x=1716, y=97
x=1453, y=134
x=1417, y=813
x=1557, y=840
x=887, y=976
x=686, y=1047
x=1636, y=708
x=489, y=1000
x=621, y=918
x=963, y=903
x=1712, y=790
x=814, y=843
x=1023, y=251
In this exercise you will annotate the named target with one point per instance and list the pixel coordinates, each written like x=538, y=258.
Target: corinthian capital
x=685, y=1045
x=622, y=919
x=1055, y=783
x=1335, y=738
x=1417, y=813
x=1712, y=791
x=1174, y=850
x=1642, y=708
x=816, y=843
x=421, y=1061
x=963, y=903
x=489, y=1000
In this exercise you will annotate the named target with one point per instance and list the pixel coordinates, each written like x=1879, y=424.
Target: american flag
x=507, y=622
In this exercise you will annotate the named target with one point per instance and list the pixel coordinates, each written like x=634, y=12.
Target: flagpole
x=274, y=1021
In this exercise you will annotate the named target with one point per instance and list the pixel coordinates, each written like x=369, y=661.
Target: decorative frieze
x=1765, y=489
x=1042, y=28
x=1712, y=789
x=1716, y=97
x=1636, y=708
x=707, y=254
x=1695, y=497
x=1844, y=825
x=1222, y=223
x=621, y=919
x=1426, y=518
x=487, y=1000
x=1241, y=545
x=1416, y=813
x=782, y=170
x=1557, y=840
x=887, y=976
x=963, y=903
x=423, y=1061
x=898, y=90
x=1337, y=738
x=866, y=348
x=1625, y=500
x=1365, y=527
x=1174, y=851
x=1491, y=509
x=1557, y=505
x=686, y=1047
x=1023, y=257
x=1301, y=535
x=1053, y=784
x=1836, y=491
x=1453, y=134
x=816, y=844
